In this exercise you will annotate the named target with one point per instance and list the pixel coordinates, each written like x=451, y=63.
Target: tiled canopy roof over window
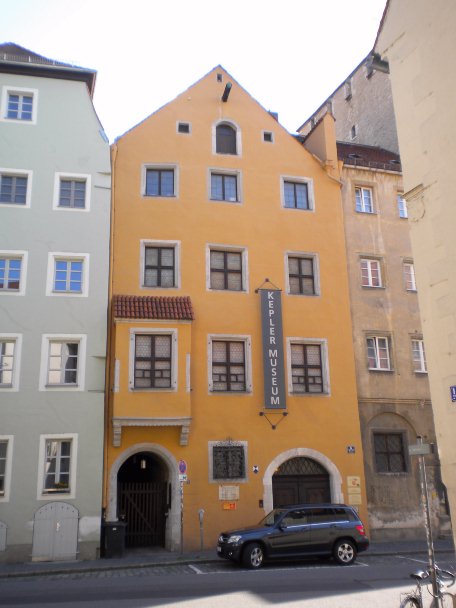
x=153, y=307
x=368, y=156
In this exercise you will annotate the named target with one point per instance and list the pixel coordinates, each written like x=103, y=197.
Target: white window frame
x=234, y=125
x=5, y=497
x=17, y=339
x=316, y=271
x=247, y=362
x=176, y=245
x=298, y=179
x=244, y=262
x=9, y=172
x=370, y=262
x=421, y=368
x=78, y=177
x=401, y=206
x=226, y=172
x=12, y=253
x=323, y=343
x=11, y=90
x=409, y=275
x=376, y=339
x=41, y=493
x=363, y=206
x=230, y=480
x=55, y=256
x=134, y=331
x=160, y=167
x=46, y=339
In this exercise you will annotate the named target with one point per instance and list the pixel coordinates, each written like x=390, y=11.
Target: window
x=226, y=270
x=7, y=348
x=68, y=274
x=19, y=104
x=306, y=368
x=228, y=366
x=295, y=195
x=371, y=275
x=160, y=182
x=353, y=132
x=419, y=356
x=301, y=275
x=72, y=192
x=224, y=187
x=268, y=136
x=226, y=139
x=228, y=462
x=402, y=206
x=409, y=276
x=153, y=361
x=6, y=453
x=389, y=453
x=348, y=90
x=63, y=362
x=378, y=353
x=57, y=466
x=10, y=273
x=183, y=127
x=159, y=267
x=13, y=188
x=364, y=200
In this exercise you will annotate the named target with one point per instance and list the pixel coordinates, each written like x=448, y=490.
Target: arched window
x=225, y=139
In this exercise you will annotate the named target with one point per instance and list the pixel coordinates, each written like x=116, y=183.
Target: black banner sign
x=273, y=357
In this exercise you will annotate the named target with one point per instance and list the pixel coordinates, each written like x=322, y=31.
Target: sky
x=290, y=55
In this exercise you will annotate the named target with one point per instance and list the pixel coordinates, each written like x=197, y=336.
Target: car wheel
x=252, y=556
x=345, y=552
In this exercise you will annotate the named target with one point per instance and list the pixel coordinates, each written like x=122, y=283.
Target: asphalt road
x=373, y=582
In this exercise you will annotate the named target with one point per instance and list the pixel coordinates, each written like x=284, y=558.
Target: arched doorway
x=300, y=480
x=143, y=499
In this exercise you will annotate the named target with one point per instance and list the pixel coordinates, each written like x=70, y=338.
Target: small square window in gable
x=268, y=136
x=184, y=127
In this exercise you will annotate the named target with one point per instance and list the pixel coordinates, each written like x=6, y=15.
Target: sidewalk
x=161, y=557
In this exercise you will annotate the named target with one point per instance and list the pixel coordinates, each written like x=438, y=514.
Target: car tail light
x=361, y=530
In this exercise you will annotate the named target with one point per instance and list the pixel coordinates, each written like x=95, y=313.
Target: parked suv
x=297, y=531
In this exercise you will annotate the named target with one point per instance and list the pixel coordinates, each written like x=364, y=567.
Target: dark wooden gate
x=144, y=506
x=300, y=480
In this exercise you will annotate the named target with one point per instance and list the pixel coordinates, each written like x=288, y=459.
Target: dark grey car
x=297, y=531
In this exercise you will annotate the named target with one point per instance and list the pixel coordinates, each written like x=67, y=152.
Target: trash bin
x=114, y=538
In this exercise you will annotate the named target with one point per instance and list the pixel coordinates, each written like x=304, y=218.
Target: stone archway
x=159, y=454
x=335, y=478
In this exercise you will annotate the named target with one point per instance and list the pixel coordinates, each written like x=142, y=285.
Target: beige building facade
x=417, y=40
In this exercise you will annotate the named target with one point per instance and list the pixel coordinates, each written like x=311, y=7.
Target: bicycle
x=443, y=599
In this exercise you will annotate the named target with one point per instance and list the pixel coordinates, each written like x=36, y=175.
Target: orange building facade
x=231, y=370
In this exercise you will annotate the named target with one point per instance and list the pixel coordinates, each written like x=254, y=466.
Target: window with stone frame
x=389, y=452
x=224, y=187
x=153, y=361
x=57, y=466
x=228, y=366
x=301, y=275
x=159, y=266
x=228, y=462
x=226, y=139
x=3, y=457
x=306, y=368
x=371, y=273
x=160, y=182
x=364, y=200
x=13, y=188
x=226, y=270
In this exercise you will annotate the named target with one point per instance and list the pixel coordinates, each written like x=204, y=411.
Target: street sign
x=182, y=467
x=183, y=477
x=419, y=449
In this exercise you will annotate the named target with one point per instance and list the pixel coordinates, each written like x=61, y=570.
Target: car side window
x=343, y=515
x=296, y=518
x=322, y=515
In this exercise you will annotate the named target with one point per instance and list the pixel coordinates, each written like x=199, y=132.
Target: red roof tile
x=153, y=307
x=368, y=156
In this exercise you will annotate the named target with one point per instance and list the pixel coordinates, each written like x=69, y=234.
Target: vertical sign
x=273, y=358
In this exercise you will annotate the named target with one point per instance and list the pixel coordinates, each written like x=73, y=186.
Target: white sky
x=288, y=54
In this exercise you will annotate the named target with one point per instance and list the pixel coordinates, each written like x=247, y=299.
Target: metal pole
x=182, y=517
x=427, y=519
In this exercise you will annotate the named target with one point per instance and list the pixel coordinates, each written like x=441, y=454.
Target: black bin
x=114, y=538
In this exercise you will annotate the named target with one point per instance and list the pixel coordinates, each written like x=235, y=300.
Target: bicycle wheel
x=446, y=601
x=410, y=602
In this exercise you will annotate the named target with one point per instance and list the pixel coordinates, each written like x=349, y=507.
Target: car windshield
x=272, y=517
